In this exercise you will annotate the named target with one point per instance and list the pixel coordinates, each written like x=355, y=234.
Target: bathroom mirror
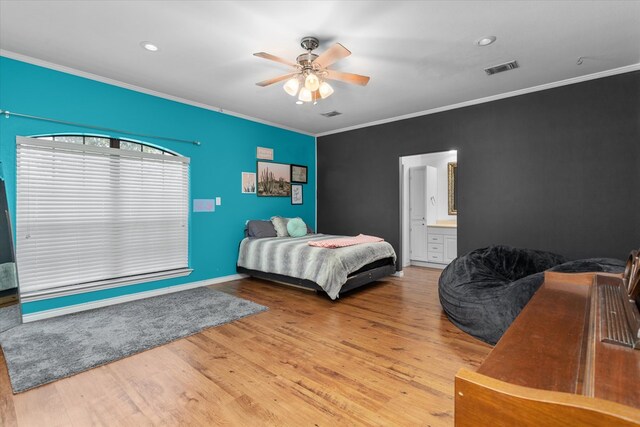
x=10, y=314
x=453, y=194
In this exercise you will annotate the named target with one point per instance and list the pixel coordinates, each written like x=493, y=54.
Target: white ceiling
x=420, y=55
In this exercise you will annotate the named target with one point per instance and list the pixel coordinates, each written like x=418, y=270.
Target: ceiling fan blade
x=274, y=58
x=332, y=55
x=275, y=79
x=355, y=79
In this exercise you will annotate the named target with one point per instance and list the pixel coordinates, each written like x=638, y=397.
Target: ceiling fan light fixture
x=149, y=46
x=305, y=95
x=291, y=86
x=325, y=90
x=308, y=73
x=312, y=82
x=485, y=41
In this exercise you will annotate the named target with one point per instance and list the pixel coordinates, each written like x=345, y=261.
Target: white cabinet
x=418, y=246
x=442, y=244
x=422, y=209
x=450, y=248
x=417, y=213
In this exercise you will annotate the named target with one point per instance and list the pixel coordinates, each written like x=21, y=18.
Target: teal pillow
x=296, y=227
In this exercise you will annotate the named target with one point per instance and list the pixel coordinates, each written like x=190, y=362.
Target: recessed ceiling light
x=299, y=102
x=486, y=41
x=149, y=46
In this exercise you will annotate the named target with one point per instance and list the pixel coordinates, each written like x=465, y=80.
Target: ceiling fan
x=311, y=72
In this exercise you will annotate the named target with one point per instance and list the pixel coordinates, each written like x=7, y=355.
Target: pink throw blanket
x=345, y=241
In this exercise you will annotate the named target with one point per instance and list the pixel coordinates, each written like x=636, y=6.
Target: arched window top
x=107, y=142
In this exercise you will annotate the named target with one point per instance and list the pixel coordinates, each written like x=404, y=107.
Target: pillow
x=280, y=224
x=260, y=229
x=296, y=227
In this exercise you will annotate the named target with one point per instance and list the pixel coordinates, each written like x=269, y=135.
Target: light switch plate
x=218, y=201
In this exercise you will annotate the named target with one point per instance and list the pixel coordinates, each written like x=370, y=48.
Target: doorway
x=428, y=222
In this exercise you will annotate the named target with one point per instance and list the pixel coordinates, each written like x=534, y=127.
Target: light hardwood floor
x=384, y=355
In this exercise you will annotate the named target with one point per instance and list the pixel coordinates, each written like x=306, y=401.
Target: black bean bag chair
x=483, y=291
x=603, y=265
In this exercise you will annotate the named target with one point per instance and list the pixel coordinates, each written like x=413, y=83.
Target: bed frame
x=367, y=274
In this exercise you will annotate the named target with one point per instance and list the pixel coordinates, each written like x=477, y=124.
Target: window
x=93, y=214
x=132, y=146
x=103, y=141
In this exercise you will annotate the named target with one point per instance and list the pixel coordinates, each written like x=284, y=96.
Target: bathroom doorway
x=428, y=219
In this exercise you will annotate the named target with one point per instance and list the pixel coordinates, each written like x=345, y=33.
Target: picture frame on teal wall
x=264, y=153
x=274, y=179
x=299, y=174
x=248, y=183
x=296, y=194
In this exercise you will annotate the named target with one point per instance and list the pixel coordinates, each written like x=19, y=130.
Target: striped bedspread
x=294, y=257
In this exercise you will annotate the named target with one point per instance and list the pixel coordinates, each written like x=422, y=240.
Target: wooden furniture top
x=542, y=348
x=484, y=401
x=554, y=345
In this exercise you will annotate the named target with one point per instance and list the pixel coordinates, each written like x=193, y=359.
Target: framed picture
x=264, y=153
x=274, y=179
x=248, y=183
x=299, y=174
x=296, y=194
x=453, y=199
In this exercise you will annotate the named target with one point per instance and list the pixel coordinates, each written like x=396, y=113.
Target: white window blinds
x=92, y=216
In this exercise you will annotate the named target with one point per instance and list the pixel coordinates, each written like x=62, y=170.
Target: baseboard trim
x=47, y=314
x=428, y=264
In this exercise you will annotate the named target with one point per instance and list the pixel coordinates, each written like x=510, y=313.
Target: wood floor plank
x=383, y=355
x=86, y=405
x=7, y=408
x=320, y=376
x=42, y=406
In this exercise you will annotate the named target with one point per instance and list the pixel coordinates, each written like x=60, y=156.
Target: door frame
x=401, y=170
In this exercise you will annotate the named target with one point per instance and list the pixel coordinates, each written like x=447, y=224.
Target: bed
x=291, y=260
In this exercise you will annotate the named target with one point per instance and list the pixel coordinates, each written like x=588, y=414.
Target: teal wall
x=228, y=148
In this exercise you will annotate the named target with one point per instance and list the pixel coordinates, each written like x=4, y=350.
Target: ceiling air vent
x=501, y=67
x=331, y=113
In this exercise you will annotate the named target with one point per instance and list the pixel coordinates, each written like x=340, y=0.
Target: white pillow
x=280, y=224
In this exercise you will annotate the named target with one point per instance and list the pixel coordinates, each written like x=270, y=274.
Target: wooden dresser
x=550, y=367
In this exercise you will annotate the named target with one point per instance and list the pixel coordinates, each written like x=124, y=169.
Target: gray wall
x=554, y=170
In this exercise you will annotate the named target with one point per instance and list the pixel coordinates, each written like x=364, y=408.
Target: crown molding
x=573, y=80
x=91, y=76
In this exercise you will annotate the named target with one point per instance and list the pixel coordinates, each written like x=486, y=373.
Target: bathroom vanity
x=442, y=244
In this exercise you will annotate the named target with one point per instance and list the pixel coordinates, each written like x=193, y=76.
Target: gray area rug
x=40, y=352
x=9, y=317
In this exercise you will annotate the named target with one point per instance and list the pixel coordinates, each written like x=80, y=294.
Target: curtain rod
x=7, y=114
